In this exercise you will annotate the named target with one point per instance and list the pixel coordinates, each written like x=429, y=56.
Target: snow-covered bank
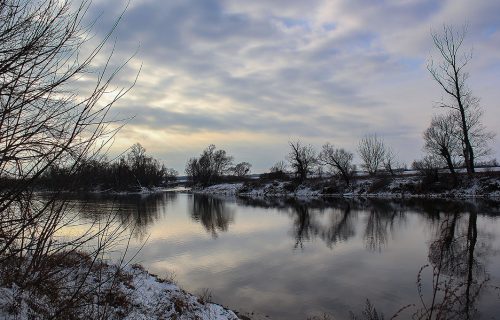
x=107, y=291
x=153, y=298
x=276, y=188
x=145, y=190
x=136, y=191
x=381, y=186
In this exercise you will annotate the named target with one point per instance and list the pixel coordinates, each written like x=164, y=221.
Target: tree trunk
x=468, y=151
x=447, y=156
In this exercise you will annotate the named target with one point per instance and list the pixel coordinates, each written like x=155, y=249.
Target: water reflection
x=342, y=216
x=140, y=212
x=457, y=254
x=458, y=258
x=341, y=226
x=303, y=228
x=332, y=253
x=309, y=222
x=213, y=213
x=382, y=220
x=136, y=212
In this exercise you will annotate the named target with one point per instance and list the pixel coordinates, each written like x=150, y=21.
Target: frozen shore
x=128, y=292
x=383, y=187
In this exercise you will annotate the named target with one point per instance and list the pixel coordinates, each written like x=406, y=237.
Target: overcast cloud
x=249, y=76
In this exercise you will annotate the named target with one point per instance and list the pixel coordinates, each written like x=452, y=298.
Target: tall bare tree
x=339, y=161
x=451, y=75
x=372, y=151
x=302, y=159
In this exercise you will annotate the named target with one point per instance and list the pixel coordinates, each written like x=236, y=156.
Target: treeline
x=214, y=166
x=377, y=158
x=131, y=172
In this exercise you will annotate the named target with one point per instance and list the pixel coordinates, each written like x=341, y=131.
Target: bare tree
x=45, y=121
x=277, y=171
x=441, y=140
x=278, y=167
x=390, y=161
x=339, y=161
x=428, y=166
x=452, y=77
x=302, y=159
x=241, y=169
x=146, y=170
x=372, y=152
x=210, y=166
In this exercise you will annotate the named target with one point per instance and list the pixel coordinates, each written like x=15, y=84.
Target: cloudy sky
x=249, y=76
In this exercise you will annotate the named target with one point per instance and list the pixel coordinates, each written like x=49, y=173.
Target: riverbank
x=99, y=290
x=379, y=186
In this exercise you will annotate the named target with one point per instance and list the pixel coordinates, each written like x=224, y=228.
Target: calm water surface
x=294, y=259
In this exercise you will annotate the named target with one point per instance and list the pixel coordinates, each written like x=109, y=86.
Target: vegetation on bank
x=132, y=172
x=86, y=288
x=410, y=185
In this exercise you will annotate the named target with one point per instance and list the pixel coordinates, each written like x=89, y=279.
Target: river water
x=293, y=259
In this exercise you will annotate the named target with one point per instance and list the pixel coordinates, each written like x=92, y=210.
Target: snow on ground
x=381, y=186
x=109, y=291
x=157, y=299
x=224, y=188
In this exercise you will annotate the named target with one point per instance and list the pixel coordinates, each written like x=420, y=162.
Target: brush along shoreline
x=102, y=290
x=381, y=186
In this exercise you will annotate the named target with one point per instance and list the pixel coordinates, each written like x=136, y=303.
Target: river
x=293, y=259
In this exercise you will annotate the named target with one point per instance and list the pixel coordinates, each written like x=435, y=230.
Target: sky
x=250, y=76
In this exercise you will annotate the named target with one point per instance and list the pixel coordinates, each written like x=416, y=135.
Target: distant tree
x=146, y=170
x=390, y=161
x=302, y=159
x=451, y=76
x=277, y=171
x=372, y=151
x=137, y=155
x=171, y=175
x=221, y=161
x=442, y=141
x=241, y=169
x=279, y=167
x=209, y=167
x=192, y=169
x=428, y=166
x=338, y=160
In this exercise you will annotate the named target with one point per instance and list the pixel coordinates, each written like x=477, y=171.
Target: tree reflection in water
x=141, y=212
x=381, y=220
x=334, y=220
x=339, y=226
x=457, y=254
x=137, y=212
x=212, y=212
x=458, y=260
